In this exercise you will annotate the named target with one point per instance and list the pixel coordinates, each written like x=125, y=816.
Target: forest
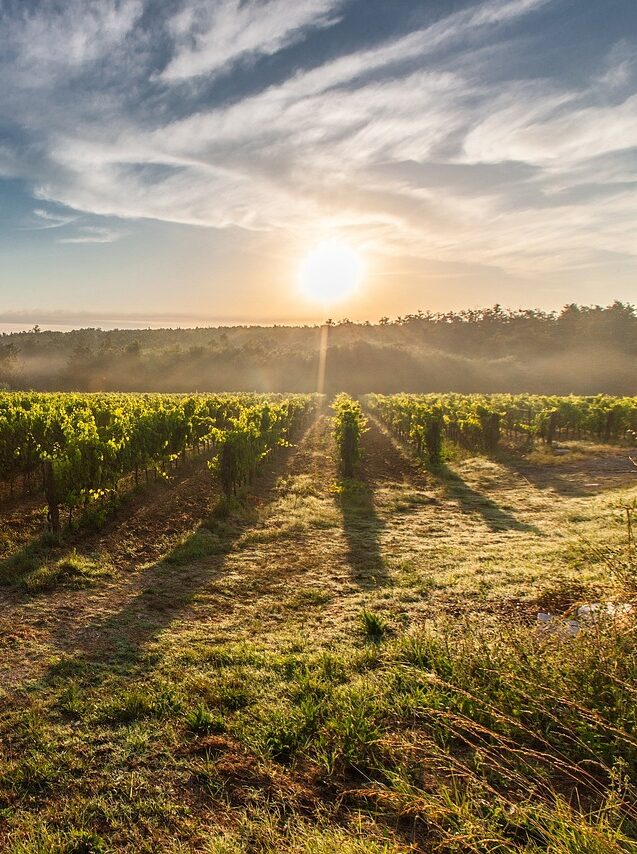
x=580, y=350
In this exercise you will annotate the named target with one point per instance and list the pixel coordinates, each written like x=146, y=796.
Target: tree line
x=580, y=349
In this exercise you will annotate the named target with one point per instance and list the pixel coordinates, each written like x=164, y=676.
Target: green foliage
x=252, y=433
x=203, y=720
x=477, y=421
x=433, y=438
x=494, y=738
x=86, y=443
x=349, y=424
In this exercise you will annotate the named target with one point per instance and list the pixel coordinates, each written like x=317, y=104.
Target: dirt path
x=35, y=627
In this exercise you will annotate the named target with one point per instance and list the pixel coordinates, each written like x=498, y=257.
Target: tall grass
x=484, y=739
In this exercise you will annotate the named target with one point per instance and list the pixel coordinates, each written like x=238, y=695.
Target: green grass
x=73, y=571
x=27, y=559
x=197, y=546
x=464, y=735
x=202, y=720
x=376, y=685
x=374, y=626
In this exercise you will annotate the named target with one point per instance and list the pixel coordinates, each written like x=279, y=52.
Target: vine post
x=52, y=498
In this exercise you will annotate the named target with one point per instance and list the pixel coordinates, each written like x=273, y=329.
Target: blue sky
x=180, y=157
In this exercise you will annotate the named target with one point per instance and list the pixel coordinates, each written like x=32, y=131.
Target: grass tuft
x=203, y=720
x=75, y=571
x=374, y=626
x=139, y=702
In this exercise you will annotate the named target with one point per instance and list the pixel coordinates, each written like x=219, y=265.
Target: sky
x=171, y=161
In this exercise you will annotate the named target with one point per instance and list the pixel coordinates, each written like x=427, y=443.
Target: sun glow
x=330, y=273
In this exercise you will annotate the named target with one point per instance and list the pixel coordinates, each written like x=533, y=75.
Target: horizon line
x=68, y=318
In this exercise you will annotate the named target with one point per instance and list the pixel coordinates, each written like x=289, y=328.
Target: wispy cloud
x=92, y=234
x=49, y=41
x=552, y=129
x=46, y=219
x=211, y=37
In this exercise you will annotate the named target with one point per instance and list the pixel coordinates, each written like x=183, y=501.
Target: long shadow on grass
x=361, y=523
x=172, y=585
x=362, y=527
x=477, y=503
x=44, y=548
x=389, y=463
x=578, y=478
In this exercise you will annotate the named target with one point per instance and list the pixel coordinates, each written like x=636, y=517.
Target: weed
x=201, y=544
x=139, y=702
x=374, y=626
x=234, y=694
x=72, y=701
x=308, y=598
x=203, y=720
x=619, y=558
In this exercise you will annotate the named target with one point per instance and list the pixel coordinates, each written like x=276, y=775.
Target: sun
x=330, y=273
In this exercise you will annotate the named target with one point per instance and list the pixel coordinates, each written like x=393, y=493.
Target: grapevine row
x=479, y=422
x=349, y=424
x=84, y=444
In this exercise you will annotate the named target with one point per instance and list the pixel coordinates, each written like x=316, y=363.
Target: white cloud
x=621, y=67
x=45, y=219
x=555, y=128
x=48, y=41
x=211, y=36
x=505, y=10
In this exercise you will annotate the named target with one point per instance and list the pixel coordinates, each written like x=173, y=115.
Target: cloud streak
x=45, y=219
x=211, y=37
x=92, y=234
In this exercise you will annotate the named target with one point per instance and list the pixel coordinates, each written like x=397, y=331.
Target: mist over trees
x=581, y=349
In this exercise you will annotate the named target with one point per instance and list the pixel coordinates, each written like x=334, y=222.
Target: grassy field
x=326, y=665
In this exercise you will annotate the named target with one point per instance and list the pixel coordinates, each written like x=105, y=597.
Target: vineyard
x=268, y=624
x=81, y=446
x=480, y=422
